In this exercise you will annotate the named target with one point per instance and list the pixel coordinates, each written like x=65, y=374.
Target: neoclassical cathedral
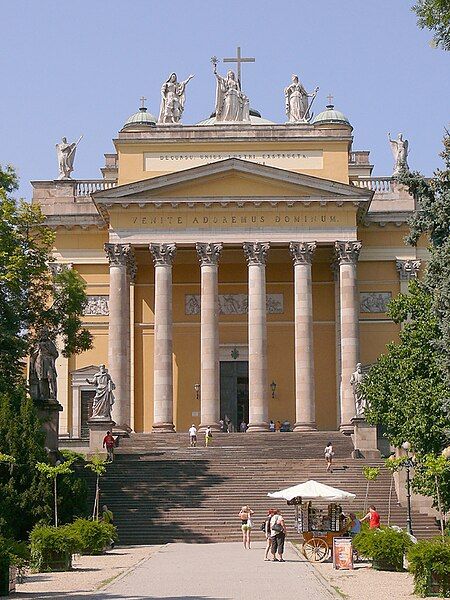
x=235, y=268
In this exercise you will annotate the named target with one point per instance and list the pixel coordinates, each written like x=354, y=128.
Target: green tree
x=405, y=390
x=52, y=472
x=97, y=465
x=435, y=16
x=433, y=219
x=370, y=474
x=30, y=299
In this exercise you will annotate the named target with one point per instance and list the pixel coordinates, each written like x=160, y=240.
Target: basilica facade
x=236, y=267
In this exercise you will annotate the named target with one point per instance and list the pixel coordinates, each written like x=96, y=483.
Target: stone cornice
x=163, y=254
x=208, y=253
x=302, y=252
x=256, y=252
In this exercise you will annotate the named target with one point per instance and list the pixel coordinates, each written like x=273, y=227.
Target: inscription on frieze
x=235, y=304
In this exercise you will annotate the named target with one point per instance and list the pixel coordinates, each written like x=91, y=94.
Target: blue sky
x=72, y=68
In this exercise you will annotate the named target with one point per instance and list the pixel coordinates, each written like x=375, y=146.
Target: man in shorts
x=193, y=435
x=277, y=536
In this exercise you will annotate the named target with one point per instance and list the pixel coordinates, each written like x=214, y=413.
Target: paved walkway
x=218, y=571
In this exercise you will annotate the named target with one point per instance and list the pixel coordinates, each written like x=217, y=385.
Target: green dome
x=140, y=119
x=330, y=115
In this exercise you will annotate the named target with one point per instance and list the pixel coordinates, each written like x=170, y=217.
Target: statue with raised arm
x=42, y=378
x=297, y=101
x=355, y=381
x=399, y=149
x=232, y=105
x=66, y=156
x=104, y=397
x=172, y=99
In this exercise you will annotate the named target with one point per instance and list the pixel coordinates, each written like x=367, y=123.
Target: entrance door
x=234, y=391
x=87, y=397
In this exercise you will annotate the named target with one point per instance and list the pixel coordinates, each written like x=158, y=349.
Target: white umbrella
x=313, y=490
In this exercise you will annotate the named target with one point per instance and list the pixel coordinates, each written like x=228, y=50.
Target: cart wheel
x=315, y=550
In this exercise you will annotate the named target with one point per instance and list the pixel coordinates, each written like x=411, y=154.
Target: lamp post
x=408, y=464
x=273, y=387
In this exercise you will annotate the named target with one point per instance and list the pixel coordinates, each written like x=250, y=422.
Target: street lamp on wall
x=408, y=464
x=273, y=387
x=197, y=389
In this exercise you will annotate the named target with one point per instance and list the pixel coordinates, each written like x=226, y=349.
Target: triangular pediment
x=231, y=178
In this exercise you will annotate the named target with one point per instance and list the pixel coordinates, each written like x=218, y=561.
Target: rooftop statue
x=42, y=378
x=297, y=101
x=104, y=397
x=172, y=99
x=399, y=148
x=66, y=156
x=232, y=104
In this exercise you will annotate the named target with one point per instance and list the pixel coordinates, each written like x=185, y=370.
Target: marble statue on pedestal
x=232, y=105
x=104, y=397
x=399, y=148
x=297, y=101
x=66, y=156
x=42, y=377
x=355, y=381
x=172, y=99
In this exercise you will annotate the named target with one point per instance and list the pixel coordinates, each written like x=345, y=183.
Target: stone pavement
x=218, y=571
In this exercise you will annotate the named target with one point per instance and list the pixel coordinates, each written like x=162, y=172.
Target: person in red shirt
x=109, y=442
x=373, y=517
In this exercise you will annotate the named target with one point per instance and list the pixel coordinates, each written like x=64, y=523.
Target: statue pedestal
x=97, y=431
x=48, y=412
x=364, y=439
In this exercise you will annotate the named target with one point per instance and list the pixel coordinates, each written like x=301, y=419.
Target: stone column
x=337, y=333
x=347, y=254
x=163, y=255
x=209, y=335
x=121, y=268
x=305, y=409
x=256, y=253
x=407, y=269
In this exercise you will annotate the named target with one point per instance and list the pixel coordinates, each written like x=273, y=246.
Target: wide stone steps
x=162, y=491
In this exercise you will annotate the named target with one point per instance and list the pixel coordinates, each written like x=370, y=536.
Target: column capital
x=209, y=253
x=256, y=252
x=163, y=254
x=121, y=255
x=302, y=252
x=407, y=268
x=347, y=252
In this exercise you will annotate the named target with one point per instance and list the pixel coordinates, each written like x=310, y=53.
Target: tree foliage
x=31, y=298
x=405, y=389
x=435, y=16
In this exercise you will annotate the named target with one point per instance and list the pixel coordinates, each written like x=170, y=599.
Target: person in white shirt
x=277, y=535
x=329, y=456
x=193, y=435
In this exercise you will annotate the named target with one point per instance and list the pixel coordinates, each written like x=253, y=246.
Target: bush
x=429, y=561
x=93, y=536
x=385, y=547
x=52, y=548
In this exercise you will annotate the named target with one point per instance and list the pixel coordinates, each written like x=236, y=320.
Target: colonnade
x=122, y=266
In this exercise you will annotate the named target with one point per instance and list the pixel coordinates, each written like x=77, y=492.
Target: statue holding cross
x=232, y=105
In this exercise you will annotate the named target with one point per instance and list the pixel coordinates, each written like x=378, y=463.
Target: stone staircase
x=161, y=491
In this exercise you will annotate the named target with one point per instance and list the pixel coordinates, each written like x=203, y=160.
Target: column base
x=254, y=427
x=163, y=428
x=364, y=439
x=305, y=427
x=214, y=426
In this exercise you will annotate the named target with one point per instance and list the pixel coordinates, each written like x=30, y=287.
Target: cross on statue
x=330, y=99
x=239, y=60
x=143, y=99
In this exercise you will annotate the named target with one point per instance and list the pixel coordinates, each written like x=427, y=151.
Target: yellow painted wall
x=132, y=164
